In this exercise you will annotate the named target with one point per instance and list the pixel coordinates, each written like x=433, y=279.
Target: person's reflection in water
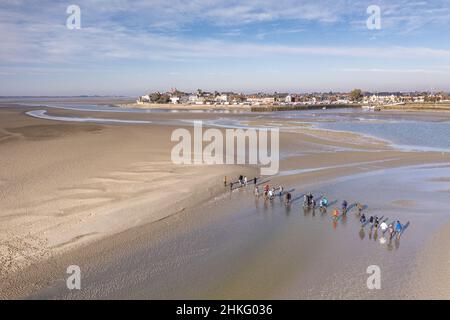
x=370, y=234
x=397, y=243
x=375, y=235
x=335, y=223
x=362, y=234
x=389, y=245
x=344, y=219
x=383, y=240
x=288, y=209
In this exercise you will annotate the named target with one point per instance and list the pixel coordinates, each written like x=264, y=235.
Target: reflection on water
x=411, y=135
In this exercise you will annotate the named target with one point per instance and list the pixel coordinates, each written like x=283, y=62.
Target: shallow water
x=411, y=135
x=240, y=247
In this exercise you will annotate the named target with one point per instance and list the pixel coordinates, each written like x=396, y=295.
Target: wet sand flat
x=238, y=247
x=65, y=184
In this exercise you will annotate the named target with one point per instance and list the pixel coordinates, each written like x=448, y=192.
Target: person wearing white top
x=383, y=226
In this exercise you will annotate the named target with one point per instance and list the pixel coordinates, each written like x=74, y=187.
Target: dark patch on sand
x=54, y=131
x=404, y=203
x=443, y=179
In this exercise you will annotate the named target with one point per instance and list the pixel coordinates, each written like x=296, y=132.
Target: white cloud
x=122, y=29
x=35, y=39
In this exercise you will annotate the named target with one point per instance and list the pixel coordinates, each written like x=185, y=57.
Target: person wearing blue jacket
x=323, y=202
x=398, y=227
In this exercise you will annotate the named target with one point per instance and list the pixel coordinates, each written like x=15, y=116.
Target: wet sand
x=64, y=184
x=238, y=247
x=103, y=183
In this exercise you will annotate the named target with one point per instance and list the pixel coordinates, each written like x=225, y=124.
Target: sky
x=131, y=48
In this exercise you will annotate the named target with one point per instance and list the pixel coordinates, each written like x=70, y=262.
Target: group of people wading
x=310, y=203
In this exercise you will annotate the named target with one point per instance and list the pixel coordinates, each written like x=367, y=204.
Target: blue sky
x=132, y=47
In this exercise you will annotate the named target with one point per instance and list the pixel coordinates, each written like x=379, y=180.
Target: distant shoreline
x=274, y=108
x=419, y=107
x=248, y=108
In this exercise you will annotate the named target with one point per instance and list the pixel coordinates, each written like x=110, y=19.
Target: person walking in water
x=363, y=218
x=266, y=191
x=255, y=179
x=359, y=206
x=310, y=199
x=398, y=228
x=225, y=181
x=376, y=222
x=383, y=226
x=256, y=191
x=305, y=201
x=245, y=181
x=288, y=198
x=344, y=207
x=323, y=202
x=391, y=231
x=270, y=194
x=336, y=213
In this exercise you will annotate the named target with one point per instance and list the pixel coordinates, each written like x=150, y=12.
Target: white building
x=195, y=99
x=143, y=99
x=419, y=99
x=261, y=100
x=223, y=98
x=175, y=100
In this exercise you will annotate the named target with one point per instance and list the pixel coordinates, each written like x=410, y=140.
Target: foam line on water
x=42, y=114
x=299, y=171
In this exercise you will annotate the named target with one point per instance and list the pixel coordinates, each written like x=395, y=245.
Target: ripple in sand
x=404, y=203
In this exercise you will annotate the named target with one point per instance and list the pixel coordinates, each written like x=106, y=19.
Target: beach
x=107, y=197
x=72, y=183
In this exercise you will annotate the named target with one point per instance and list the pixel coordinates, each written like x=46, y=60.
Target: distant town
x=355, y=96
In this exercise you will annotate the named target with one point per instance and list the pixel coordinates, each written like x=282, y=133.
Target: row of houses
x=201, y=97
x=396, y=98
